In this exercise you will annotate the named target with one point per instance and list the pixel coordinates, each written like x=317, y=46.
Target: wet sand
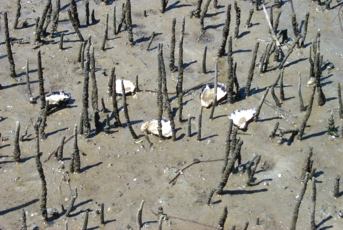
x=121, y=173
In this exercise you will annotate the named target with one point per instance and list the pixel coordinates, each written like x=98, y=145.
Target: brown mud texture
x=118, y=172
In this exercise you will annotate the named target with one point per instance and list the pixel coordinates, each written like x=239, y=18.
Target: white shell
x=128, y=85
x=311, y=81
x=208, y=91
x=151, y=127
x=241, y=117
x=57, y=98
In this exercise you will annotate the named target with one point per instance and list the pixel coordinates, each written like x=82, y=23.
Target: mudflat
x=119, y=171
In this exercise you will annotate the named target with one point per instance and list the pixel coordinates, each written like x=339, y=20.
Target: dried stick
x=17, y=15
x=271, y=16
x=180, y=99
x=197, y=11
x=53, y=153
x=189, y=126
x=277, y=20
x=159, y=92
x=233, y=140
x=166, y=98
x=164, y=80
x=31, y=98
x=160, y=222
x=251, y=70
x=47, y=21
x=163, y=6
x=180, y=62
x=172, y=47
x=302, y=42
x=340, y=106
x=248, y=23
x=61, y=41
x=102, y=220
x=41, y=81
x=16, y=150
x=270, y=25
x=226, y=30
x=307, y=116
x=251, y=172
x=259, y=107
x=230, y=72
x=277, y=109
x=93, y=17
x=272, y=135
x=126, y=112
x=139, y=216
x=81, y=57
x=238, y=20
x=203, y=14
x=302, y=107
x=282, y=93
x=313, y=209
x=76, y=153
x=8, y=48
x=228, y=170
x=210, y=195
x=72, y=202
x=87, y=12
x=114, y=98
x=129, y=21
x=85, y=222
x=203, y=66
x=290, y=50
x=222, y=219
x=59, y=152
x=23, y=220
x=84, y=123
x=75, y=15
x=75, y=26
x=199, y=125
x=94, y=95
x=42, y=120
x=42, y=177
x=122, y=19
x=227, y=145
x=39, y=28
x=195, y=161
x=295, y=25
x=277, y=102
x=55, y=18
x=151, y=40
x=297, y=204
x=214, y=104
x=105, y=35
x=336, y=187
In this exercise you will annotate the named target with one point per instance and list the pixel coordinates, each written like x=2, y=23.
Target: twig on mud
x=277, y=109
x=184, y=92
x=53, y=153
x=178, y=218
x=195, y=161
x=270, y=26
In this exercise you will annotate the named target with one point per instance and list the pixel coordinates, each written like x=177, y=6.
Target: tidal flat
x=120, y=171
